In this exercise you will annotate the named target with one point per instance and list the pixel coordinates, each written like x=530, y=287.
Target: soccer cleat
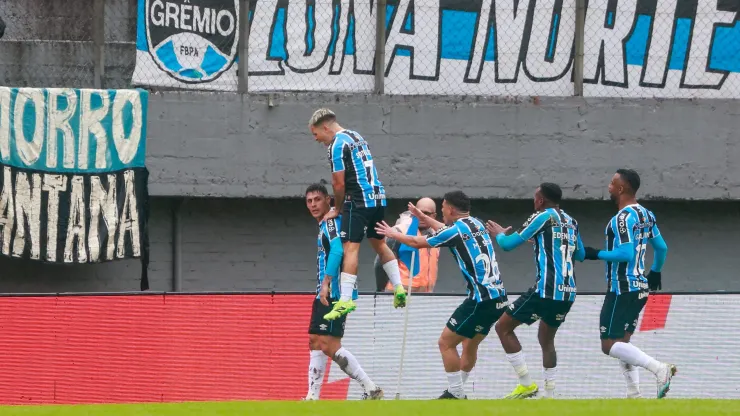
x=523, y=392
x=376, y=394
x=446, y=395
x=340, y=309
x=664, y=380
x=399, y=297
x=309, y=397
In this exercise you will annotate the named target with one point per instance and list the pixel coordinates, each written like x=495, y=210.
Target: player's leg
x=470, y=355
x=460, y=326
x=485, y=316
x=352, y=232
x=331, y=345
x=522, y=311
x=619, y=317
x=552, y=315
x=386, y=256
x=317, y=360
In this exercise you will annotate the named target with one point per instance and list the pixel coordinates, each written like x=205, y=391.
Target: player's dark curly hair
x=631, y=177
x=551, y=192
x=317, y=187
x=459, y=200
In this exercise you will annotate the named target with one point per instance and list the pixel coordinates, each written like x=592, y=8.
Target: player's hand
x=592, y=253
x=494, y=229
x=416, y=212
x=324, y=295
x=333, y=213
x=654, y=280
x=384, y=229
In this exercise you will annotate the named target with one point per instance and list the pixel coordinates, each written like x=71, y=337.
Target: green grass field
x=668, y=407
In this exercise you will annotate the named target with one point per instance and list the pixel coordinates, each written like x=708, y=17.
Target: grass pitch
x=667, y=407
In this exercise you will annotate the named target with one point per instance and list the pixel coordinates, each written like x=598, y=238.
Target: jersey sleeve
x=331, y=228
x=336, y=252
x=444, y=237
x=533, y=225
x=624, y=223
x=336, y=155
x=654, y=231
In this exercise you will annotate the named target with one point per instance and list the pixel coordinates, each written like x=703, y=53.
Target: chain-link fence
x=611, y=48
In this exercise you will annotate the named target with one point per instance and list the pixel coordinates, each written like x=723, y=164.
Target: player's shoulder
x=448, y=228
x=331, y=225
x=537, y=216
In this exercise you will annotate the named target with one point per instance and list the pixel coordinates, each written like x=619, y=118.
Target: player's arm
x=416, y=241
x=660, y=252
x=580, y=253
x=433, y=223
x=334, y=259
x=529, y=229
x=624, y=248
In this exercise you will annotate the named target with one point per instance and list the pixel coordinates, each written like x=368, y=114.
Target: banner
x=632, y=48
x=203, y=347
x=73, y=182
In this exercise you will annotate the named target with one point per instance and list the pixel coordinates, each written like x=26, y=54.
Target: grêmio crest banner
x=73, y=182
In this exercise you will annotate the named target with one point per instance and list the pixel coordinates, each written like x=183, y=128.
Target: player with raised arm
x=627, y=236
x=357, y=185
x=556, y=243
x=472, y=247
x=325, y=337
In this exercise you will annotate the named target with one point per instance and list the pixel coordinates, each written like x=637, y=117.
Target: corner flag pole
x=405, y=326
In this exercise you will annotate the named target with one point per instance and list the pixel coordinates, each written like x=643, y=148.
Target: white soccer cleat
x=309, y=397
x=666, y=373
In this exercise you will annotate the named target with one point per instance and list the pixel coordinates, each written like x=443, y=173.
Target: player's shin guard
x=632, y=378
x=632, y=355
x=520, y=366
x=393, y=272
x=316, y=367
x=347, y=286
x=349, y=364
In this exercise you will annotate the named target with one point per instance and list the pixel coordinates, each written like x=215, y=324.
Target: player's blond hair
x=321, y=115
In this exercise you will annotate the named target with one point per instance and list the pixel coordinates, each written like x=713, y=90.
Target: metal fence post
x=244, y=26
x=380, y=47
x=578, y=60
x=98, y=37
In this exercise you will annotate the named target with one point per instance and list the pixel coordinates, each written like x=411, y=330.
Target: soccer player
x=325, y=337
x=472, y=247
x=556, y=243
x=627, y=236
x=357, y=185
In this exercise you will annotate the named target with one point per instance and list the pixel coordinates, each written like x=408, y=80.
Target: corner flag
x=410, y=255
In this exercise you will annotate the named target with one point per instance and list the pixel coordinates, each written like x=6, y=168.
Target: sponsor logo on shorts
x=502, y=305
x=535, y=317
x=453, y=322
x=322, y=327
x=559, y=317
x=343, y=234
x=602, y=329
x=478, y=328
x=643, y=295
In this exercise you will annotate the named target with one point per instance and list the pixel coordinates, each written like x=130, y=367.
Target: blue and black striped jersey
x=634, y=225
x=349, y=152
x=556, y=238
x=328, y=236
x=471, y=245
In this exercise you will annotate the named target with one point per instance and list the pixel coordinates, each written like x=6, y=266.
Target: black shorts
x=620, y=313
x=530, y=307
x=320, y=326
x=472, y=318
x=358, y=222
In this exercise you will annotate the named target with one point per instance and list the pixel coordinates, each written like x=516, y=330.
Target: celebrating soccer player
x=627, y=235
x=325, y=337
x=472, y=247
x=357, y=185
x=556, y=243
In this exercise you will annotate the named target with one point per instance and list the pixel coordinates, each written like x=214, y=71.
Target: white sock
x=632, y=377
x=394, y=274
x=520, y=366
x=316, y=367
x=349, y=364
x=632, y=355
x=465, y=375
x=347, y=286
x=549, y=375
x=456, y=384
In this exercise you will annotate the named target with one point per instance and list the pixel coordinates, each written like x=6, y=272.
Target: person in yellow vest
x=425, y=280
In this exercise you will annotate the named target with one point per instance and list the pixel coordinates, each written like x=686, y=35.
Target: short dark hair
x=631, y=177
x=459, y=200
x=551, y=192
x=317, y=187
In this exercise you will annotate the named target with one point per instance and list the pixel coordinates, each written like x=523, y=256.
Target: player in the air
x=627, y=236
x=358, y=188
x=556, y=243
x=472, y=247
x=325, y=337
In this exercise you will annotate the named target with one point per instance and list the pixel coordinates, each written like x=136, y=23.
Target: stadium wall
x=269, y=244
x=162, y=348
